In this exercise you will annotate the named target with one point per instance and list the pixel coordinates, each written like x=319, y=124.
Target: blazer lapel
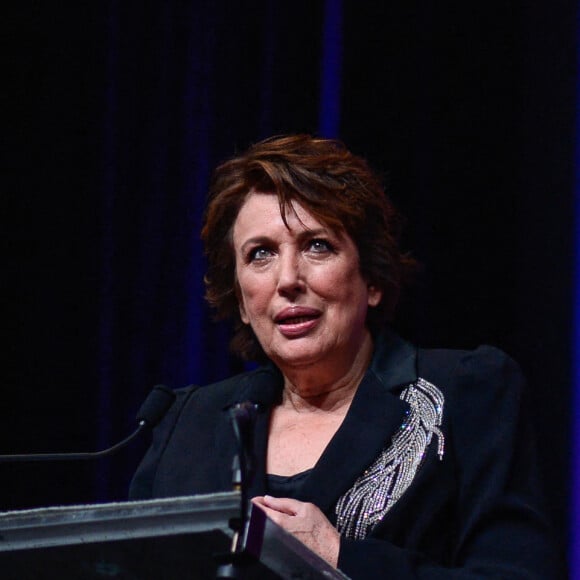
x=375, y=415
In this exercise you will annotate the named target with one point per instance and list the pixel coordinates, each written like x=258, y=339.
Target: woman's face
x=300, y=288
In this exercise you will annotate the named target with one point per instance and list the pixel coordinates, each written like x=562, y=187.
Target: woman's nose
x=290, y=278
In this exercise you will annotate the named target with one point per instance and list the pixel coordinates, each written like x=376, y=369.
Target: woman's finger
x=280, y=504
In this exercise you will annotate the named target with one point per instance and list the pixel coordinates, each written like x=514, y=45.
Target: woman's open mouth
x=294, y=322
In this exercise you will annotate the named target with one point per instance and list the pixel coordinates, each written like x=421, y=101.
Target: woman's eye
x=320, y=246
x=259, y=253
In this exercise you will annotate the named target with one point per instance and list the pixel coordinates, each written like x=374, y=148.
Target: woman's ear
x=241, y=306
x=243, y=316
x=374, y=295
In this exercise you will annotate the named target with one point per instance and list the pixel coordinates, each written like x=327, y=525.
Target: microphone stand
x=243, y=418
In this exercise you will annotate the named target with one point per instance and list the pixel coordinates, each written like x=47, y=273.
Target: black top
x=476, y=512
x=286, y=485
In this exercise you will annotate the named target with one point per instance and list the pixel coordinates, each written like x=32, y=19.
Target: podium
x=166, y=539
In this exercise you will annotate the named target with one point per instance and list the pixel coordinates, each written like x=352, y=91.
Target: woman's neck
x=324, y=387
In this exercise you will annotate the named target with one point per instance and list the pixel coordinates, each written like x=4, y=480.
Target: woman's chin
x=296, y=355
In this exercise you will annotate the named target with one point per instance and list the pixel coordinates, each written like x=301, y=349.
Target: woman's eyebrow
x=308, y=233
x=255, y=240
x=303, y=234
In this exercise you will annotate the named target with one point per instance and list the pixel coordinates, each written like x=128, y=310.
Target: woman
x=385, y=459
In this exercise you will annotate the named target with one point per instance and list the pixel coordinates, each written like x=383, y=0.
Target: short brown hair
x=338, y=188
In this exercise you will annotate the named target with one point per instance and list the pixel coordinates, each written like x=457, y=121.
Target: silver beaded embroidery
x=388, y=477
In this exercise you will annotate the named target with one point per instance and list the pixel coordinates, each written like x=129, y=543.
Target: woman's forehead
x=264, y=208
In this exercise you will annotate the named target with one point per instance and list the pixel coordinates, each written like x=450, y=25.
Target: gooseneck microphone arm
x=73, y=456
x=150, y=414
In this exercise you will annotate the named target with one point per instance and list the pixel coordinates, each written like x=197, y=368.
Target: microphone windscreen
x=263, y=387
x=244, y=412
x=156, y=405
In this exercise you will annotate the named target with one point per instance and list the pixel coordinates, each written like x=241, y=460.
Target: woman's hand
x=304, y=521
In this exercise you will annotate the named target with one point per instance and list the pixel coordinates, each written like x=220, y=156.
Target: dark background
x=115, y=113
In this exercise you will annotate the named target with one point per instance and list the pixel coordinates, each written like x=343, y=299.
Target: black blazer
x=476, y=513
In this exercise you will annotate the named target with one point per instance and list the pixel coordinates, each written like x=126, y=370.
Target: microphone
x=149, y=415
x=243, y=418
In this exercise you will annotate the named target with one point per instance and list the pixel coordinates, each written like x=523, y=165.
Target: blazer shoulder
x=485, y=364
x=261, y=385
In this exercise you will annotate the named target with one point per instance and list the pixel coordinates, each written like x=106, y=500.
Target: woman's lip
x=285, y=315
x=291, y=329
x=297, y=321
